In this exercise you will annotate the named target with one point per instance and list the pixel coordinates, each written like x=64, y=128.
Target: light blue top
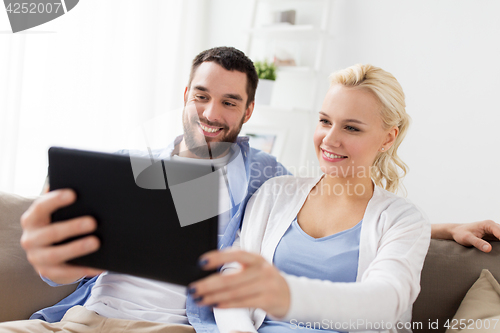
x=333, y=258
x=247, y=170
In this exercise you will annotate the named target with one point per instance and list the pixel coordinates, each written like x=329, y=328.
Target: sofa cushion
x=22, y=292
x=450, y=270
x=480, y=309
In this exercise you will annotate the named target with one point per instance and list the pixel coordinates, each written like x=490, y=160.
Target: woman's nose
x=332, y=138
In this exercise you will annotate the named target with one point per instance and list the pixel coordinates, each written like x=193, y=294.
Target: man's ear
x=186, y=91
x=249, y=111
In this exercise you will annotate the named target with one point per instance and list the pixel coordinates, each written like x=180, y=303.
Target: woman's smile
x=332, y=157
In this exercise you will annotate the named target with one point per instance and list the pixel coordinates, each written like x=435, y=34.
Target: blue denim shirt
x=247, y=170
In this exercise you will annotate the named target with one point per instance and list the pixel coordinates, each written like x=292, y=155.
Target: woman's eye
x=351, y=129
x=324, y=121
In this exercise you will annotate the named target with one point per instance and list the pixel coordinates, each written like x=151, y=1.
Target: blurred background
x=110, y=71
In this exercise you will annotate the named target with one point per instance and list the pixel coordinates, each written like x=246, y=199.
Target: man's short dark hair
x=230, y=59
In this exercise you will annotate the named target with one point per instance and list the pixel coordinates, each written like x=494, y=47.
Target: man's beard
x=200, y=145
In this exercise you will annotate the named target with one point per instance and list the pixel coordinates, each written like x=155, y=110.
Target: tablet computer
x=155, y=217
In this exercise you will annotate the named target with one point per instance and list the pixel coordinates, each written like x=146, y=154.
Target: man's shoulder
x=263, y=166
x=257, y=155
x=260, y=160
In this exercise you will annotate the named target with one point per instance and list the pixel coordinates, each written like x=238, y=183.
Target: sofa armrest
x=450, y=269
x=22, y=291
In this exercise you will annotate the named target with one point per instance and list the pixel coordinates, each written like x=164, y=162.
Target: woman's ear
x=390, y=138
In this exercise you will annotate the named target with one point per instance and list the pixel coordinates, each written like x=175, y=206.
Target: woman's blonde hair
x=384, y=85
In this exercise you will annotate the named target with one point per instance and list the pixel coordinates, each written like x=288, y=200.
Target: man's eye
x=351, y=129
x=229, y=104
x=201, y=97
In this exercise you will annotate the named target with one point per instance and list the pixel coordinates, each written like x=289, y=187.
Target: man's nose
x=213, y=112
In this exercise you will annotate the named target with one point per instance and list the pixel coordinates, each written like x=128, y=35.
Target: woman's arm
x=468, y=234
x=388, y=287
x=258, y=284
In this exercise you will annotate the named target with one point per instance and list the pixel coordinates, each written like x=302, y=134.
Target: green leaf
x=265, y=70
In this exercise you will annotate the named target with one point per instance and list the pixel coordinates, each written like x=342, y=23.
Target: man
x=219, y=98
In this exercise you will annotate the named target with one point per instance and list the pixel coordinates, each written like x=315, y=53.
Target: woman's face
x=350, y=132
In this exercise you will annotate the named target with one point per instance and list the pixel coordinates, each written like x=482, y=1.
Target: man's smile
x=211, y=131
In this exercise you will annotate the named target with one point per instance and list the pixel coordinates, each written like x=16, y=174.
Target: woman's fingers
x=229, y=295
x=215, y=259
x=223, y=285
x=217, y=282
x=256, y=284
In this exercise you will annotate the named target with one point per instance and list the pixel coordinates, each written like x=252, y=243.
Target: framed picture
x=267, y=139
x=287, y=133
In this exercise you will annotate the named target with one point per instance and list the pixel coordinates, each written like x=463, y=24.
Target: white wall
x=445, y=54
x=90, y=77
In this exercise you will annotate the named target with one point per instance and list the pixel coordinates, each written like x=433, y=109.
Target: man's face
x=214, y=111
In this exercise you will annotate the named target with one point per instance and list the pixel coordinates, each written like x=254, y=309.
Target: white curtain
x=86, y=78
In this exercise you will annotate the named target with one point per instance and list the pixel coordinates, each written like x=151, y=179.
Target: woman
x=347, y=253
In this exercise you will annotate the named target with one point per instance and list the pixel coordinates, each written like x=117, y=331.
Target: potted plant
x=267, y=75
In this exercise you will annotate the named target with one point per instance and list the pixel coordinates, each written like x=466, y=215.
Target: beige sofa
x=22, y=292
x=449, y=271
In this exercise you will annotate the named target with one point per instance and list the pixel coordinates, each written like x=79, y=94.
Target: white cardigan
x=395, y=236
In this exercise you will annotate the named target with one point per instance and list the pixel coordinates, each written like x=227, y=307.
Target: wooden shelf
x=288, y=1
x=304, y=42
x=303, y=70
x=277, y=109
x=286, y=31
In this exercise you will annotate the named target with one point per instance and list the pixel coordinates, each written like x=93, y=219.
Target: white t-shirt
x=123, y=296
x=129, y=297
